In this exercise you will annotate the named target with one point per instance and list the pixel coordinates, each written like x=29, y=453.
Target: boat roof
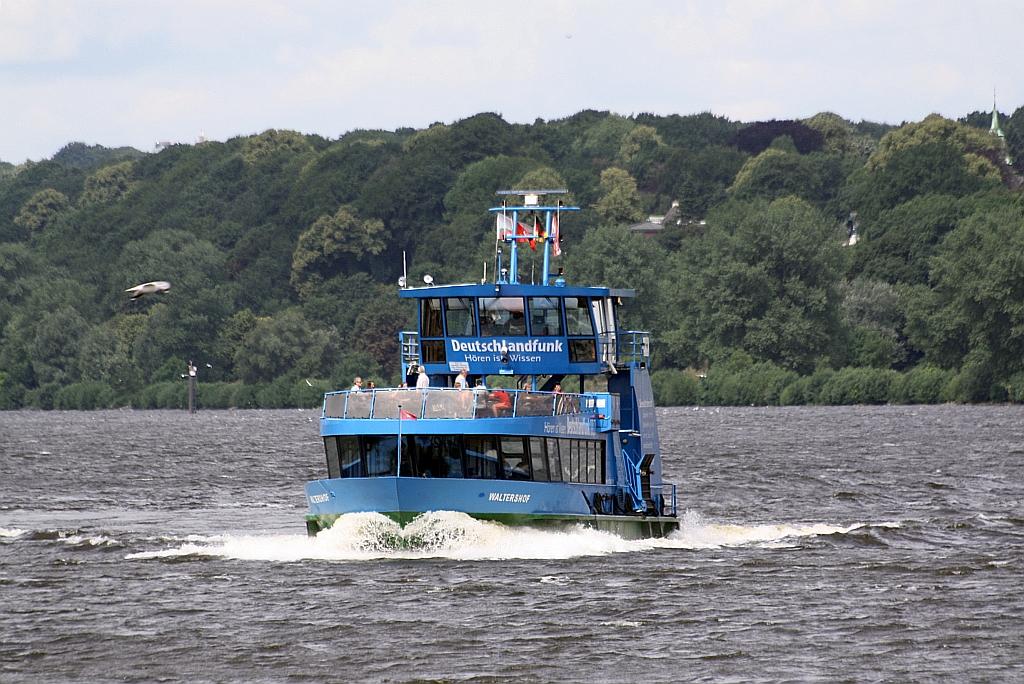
x=513, y=290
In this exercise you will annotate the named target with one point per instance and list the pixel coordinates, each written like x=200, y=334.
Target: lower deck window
x=343, y=456
x=487, y=457
x=433, y=455
x=515, y=460
x=481, y=457
x=380, y=455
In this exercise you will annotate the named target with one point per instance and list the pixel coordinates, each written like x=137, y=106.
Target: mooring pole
x=191, y=387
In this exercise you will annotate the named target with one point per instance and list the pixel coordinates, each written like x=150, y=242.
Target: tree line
x=283, y=251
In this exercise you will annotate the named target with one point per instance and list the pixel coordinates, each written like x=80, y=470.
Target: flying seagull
x=149, y=288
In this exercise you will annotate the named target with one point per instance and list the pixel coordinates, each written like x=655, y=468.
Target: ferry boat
x=526, y=455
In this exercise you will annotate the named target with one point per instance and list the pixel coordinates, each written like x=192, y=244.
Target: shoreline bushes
x=765, y=384
x=284, y=392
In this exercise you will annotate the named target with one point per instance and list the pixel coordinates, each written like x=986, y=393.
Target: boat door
x=604, y=322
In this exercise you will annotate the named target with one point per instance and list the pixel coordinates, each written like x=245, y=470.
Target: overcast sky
x=131, y=73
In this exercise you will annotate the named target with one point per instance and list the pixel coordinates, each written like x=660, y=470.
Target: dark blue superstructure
x=532, y=455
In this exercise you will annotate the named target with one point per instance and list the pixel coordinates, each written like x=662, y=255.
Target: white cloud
x=37, y=32
x=128, y=73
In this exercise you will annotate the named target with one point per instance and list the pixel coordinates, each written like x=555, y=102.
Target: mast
x=513, y=232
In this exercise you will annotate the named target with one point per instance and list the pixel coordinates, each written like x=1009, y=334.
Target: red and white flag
x=505, y=226
x=556, y=244
x=522, y=232
x=406, y=415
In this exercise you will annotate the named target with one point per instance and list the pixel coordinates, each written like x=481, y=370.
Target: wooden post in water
x=191, y=387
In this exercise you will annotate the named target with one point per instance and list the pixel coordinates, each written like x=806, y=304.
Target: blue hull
x=541, y=504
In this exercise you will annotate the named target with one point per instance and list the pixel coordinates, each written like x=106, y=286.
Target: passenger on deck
x=357, y=384
x=502, y=401
x=462, y=379
x=559, y=398
x=423, y=380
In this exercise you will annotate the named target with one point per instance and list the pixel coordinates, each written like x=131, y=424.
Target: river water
x=819, y=544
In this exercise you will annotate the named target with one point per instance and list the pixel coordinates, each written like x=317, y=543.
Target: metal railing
x=664, y=496
x=633, y=346
x=445, y=402
x=410, y=344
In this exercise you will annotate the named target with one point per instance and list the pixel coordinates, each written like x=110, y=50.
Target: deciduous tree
x=620, y=201
x=42, y=210
x=334, y=244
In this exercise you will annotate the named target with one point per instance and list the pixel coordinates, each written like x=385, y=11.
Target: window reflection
x=545, y=316
x=350, y=457
x=488, y=457
x=501, y=316
x=435, y=455
x=430, y=318
x=381, y=455
x=577, y=316
x=459, y=316
x=514, y=459
x=481, y=457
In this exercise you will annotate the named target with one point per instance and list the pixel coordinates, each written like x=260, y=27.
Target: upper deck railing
x=445, y=402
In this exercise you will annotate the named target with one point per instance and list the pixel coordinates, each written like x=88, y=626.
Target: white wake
x=446, y=534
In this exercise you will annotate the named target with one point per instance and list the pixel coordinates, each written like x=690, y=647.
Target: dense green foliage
x=283, y=251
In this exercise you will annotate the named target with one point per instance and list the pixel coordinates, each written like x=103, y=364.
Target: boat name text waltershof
x=508, y=498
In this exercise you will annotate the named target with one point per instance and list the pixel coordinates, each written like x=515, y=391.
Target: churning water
x=818, y=544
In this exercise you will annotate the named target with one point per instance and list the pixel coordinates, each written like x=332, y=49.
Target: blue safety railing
x=633, y=346
x=663, y=496
x=634, y=487
x=410, y=346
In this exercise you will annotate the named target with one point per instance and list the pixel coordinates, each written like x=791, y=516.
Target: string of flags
x=520, y=232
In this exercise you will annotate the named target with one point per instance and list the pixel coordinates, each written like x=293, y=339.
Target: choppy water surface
x=819, y=544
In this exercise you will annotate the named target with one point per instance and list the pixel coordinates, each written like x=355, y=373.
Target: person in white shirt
x=462, y=379
x=357, y=384
x=423, y=380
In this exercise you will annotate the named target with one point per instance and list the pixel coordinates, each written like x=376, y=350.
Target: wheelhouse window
x=459, y=316
x=430, y=318
x=577, y=316
x=582, y=351
x=501, y=316
x=433, y=351
x=545, y=316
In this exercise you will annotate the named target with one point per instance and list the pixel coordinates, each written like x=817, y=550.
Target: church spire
x=995, y=130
